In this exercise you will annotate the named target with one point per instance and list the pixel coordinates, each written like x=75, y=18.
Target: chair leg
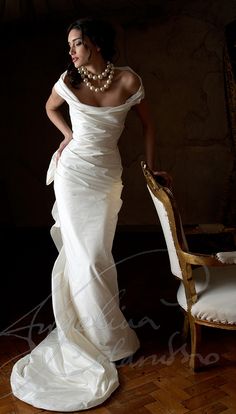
x=195, y=341
x=185, y=327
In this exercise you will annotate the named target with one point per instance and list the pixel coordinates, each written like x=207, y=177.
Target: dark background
x=33, y=54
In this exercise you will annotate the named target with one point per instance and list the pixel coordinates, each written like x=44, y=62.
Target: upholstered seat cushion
x=216, y=288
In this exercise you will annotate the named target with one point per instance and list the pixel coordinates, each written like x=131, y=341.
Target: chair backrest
x=169, y=218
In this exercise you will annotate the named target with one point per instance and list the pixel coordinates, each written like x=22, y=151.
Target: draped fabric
x=72, y=368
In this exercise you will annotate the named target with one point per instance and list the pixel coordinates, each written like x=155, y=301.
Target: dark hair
x=101, y=33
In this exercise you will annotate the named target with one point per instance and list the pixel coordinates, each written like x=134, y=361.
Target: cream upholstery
x=207, y=291
x=227, y=257
x=216, y=289
x=163, y=217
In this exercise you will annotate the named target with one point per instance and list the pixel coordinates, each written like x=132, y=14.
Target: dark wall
x=177, y=48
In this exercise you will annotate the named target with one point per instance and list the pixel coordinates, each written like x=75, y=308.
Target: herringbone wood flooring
x=157, y=381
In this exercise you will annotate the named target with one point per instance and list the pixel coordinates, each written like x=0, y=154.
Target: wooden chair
x=207, y=291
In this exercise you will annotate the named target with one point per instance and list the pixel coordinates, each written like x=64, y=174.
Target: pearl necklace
x=88, y=76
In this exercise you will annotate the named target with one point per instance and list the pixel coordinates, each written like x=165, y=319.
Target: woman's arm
x=53, y=105
x=149, y=133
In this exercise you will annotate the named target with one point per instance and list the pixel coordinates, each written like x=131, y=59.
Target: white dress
x=72, y=368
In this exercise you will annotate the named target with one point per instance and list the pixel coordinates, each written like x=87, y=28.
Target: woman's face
x=81, y=50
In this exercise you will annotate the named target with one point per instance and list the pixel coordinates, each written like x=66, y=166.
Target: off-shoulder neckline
x=62, y=77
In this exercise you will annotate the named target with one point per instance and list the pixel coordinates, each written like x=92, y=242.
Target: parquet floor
x=157, y=381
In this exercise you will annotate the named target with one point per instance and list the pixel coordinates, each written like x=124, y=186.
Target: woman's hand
x=63, y=144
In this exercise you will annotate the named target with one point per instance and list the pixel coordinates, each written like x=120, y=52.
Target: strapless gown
x=72, y=368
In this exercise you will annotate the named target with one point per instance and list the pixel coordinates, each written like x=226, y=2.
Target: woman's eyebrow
x=77, y=38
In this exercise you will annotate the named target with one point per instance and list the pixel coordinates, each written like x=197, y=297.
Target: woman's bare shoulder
x=130, y=80
x=66, y=79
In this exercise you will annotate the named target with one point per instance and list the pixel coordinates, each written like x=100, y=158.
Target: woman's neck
x=96, y=67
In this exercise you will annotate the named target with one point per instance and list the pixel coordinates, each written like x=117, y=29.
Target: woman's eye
x=78, y=43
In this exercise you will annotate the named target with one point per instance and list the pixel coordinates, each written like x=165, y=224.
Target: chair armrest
x=202, y=259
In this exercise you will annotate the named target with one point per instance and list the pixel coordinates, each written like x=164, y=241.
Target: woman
x=73, y=369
